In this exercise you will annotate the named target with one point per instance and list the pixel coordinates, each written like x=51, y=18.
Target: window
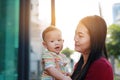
x=9, y=29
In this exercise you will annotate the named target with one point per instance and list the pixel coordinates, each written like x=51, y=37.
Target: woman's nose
x=75, y=38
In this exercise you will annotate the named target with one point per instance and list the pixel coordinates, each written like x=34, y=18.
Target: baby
x=54, y=63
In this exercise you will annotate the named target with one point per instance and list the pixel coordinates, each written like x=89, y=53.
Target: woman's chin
x=78, y=50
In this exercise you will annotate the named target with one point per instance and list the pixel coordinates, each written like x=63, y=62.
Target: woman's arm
x=57, y=74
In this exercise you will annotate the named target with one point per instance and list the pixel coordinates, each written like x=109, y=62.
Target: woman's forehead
x=81, y=29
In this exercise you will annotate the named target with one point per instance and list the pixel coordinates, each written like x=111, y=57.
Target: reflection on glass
x=40, y=18
x=9, y=25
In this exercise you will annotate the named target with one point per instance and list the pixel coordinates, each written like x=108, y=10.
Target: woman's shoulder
x=101, y=62
x=101, y=65
x=101, y=69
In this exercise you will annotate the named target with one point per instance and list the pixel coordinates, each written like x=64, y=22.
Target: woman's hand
x=66, y=78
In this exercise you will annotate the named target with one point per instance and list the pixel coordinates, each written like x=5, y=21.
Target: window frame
x=23, y=51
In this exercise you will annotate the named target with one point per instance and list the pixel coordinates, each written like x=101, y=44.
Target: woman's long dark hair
x=97, y=30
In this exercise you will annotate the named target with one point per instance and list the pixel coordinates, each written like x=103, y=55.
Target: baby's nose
x=56, y=42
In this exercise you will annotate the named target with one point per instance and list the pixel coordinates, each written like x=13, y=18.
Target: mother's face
x=82, y=39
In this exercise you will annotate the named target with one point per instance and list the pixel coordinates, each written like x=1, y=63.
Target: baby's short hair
x=48, y=29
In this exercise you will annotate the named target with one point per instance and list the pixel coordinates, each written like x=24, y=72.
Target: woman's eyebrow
x=79, y=32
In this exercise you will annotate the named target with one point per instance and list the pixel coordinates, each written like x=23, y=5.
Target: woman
x=89, y=40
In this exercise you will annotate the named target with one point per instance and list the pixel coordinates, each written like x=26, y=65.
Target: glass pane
x=9, y=27
x=40, y=18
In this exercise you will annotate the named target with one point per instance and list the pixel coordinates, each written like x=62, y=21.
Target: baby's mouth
x=57, y=48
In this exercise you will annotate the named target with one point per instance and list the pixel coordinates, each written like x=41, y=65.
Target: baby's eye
x=59, y=40
x=80, y=36
x=51, y=41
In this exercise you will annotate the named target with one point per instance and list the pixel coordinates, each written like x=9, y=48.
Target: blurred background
x=22, y=22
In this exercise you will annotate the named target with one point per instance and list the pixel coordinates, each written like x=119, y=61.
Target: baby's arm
x=57, y=74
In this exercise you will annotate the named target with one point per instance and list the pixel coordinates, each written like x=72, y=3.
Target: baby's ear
x=63, y=40
x=44, y=44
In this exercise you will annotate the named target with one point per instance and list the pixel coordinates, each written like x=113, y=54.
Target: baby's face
x=53, y=41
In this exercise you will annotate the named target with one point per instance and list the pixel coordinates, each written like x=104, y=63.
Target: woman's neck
x=85, y=58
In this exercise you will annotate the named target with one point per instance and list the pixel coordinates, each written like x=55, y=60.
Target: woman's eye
x=80, y=36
